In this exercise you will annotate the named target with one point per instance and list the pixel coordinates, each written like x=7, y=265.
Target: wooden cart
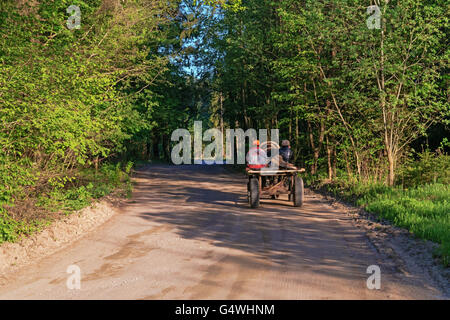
x=272, y=183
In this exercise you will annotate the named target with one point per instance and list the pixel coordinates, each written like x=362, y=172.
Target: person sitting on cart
x=256, y=157
x=284, y=156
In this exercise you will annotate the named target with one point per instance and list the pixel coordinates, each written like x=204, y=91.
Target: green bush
x=7, y=228
x=428, y=168
x=423, y=210
x=63, y=194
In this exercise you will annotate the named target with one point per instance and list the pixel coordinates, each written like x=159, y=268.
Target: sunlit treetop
x=233, y=5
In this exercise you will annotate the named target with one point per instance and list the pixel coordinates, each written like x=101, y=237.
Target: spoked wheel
x=297, y=192
x=253, y=192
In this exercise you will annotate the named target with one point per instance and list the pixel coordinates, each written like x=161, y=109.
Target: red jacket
x=256, y=158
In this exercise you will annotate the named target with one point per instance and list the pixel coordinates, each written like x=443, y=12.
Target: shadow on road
x=209, y=204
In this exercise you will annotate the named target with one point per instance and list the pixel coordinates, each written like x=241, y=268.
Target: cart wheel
x=253, y=193
x=298, y=191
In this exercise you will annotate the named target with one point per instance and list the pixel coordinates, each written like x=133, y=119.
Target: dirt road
x=188, y=233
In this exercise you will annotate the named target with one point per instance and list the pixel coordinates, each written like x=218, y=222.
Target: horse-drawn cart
x=273, y=183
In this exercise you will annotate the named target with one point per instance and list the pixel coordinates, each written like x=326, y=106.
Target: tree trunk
x=290, y=123
x=313, y=148
x=334, y=161
x=391, y=175
x=347, y=164
x=330, y=168
x=316, y=149
x=96, y=164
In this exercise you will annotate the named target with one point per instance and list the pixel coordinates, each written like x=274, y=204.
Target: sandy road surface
x=188, y=233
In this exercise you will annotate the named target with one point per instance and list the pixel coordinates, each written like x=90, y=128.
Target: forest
x=359, y=87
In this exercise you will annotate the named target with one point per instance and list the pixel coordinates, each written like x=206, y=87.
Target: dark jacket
x=286, y=153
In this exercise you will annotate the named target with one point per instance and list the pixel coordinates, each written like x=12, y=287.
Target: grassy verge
x=423, y=210
x=37, y=205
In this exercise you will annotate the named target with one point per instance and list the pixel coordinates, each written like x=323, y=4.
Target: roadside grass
x=423, y=210
x=37, y=205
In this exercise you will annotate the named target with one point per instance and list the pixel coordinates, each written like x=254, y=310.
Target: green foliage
x=65, y=194
x=315, y=70
x=423, y=210
x=428, y=168
x=72, y=100
x=7, y=228
x=70, y=97
x=77, y=192
x=13, y=176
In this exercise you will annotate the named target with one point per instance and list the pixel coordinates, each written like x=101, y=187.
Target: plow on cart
x=273, y=183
